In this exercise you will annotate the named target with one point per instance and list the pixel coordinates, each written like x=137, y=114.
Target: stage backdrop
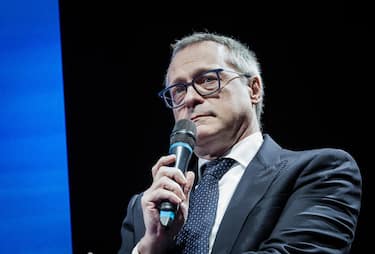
x=34, y=193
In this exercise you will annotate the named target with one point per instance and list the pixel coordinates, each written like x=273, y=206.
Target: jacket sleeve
x=128, y=229
x=321, y=214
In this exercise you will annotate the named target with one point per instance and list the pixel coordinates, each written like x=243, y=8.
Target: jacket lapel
x=257, y=178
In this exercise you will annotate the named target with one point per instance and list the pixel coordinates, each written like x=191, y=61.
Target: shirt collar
x=244, y=151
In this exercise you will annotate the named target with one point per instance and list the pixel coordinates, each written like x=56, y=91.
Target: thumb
x=190, y=176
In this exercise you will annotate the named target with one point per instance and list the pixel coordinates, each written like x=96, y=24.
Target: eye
x=206, y=79
x=178, y=89
x=207, y=82
x=178, y=92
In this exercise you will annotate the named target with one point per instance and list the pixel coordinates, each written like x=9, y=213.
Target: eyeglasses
x=205, y=84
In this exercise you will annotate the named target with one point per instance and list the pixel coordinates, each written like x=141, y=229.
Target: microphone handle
x=183, y=154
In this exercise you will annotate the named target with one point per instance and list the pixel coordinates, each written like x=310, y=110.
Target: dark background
x=317, y=67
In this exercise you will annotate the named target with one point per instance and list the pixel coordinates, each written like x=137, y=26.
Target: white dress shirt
x=243, y=152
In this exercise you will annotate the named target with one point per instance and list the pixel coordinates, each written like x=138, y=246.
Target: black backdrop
x=316, y=68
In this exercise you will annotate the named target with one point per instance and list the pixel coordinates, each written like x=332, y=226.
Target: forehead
x=198, y=56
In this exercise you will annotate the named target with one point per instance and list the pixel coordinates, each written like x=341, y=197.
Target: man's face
x=222, y=118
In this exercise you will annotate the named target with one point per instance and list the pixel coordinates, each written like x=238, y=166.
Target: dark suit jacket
x=286, y=202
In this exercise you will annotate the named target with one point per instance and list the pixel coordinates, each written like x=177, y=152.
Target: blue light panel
x=34, y=193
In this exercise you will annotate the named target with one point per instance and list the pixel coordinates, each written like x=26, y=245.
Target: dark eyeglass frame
x=169, y=101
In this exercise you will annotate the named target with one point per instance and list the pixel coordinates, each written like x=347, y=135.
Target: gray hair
x=239, y=56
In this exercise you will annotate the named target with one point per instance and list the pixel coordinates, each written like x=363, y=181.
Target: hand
x=170, y=184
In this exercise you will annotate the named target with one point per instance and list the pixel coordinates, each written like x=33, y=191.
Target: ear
x=255, y=88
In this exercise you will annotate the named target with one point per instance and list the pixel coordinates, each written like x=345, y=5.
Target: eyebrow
x=196, y=73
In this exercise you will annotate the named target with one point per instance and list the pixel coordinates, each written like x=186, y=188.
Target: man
x=271, y=200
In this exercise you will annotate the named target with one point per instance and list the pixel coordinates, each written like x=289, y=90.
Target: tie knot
x=218, y=167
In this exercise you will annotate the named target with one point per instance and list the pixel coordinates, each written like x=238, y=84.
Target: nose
x=192, y=97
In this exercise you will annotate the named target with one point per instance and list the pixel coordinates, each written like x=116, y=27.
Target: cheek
x=244, y=97
x=180, y=113
x=238, y=101
x=208, y=131
x=236, y=110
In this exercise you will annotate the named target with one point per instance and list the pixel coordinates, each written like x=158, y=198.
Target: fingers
x=158, y=195
x=163, y=161
x=168, y=182
x=167, y=188
x=162, y=168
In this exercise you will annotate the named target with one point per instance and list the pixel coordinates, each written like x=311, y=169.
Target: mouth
x=195, y=118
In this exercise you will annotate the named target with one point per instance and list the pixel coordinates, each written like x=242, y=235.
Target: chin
x=205, y=131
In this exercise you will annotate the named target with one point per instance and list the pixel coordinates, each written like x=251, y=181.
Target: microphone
x=182, y=142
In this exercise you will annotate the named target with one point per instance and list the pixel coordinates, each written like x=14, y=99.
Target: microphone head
x=184, y=131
